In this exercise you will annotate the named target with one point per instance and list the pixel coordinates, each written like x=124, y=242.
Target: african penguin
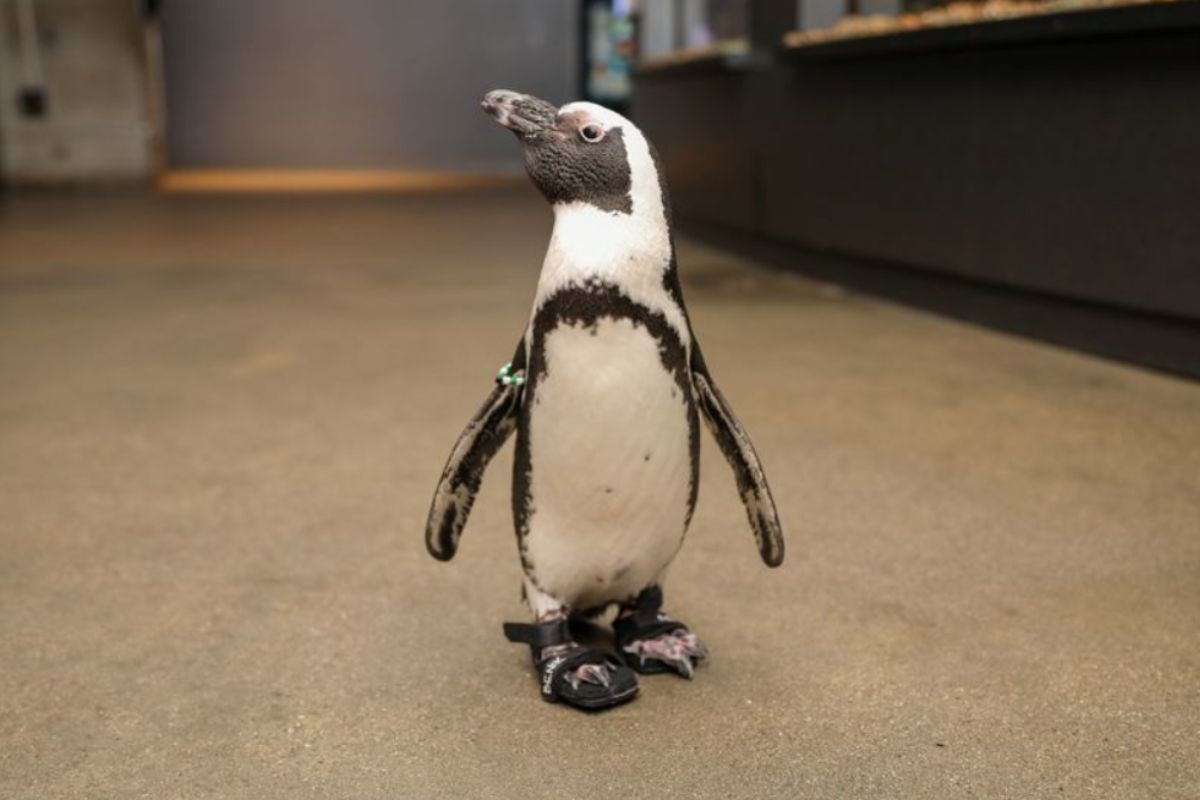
x=604, y=394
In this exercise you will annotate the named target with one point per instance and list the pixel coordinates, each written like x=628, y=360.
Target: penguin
x=604, y=393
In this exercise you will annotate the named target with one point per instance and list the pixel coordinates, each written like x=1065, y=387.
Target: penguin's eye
x=591, y=132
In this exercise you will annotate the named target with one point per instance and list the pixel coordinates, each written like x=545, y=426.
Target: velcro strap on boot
x=539, y=635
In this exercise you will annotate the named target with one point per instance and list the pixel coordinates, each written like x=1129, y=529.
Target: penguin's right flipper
x=485, y=434
x=739, y=452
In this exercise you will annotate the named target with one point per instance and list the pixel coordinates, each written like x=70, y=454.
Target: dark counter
x=1050, y=162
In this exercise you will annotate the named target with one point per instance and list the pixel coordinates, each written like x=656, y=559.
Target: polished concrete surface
x=221, y=422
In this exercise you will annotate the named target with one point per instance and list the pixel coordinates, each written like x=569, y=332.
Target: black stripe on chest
x=594, y=301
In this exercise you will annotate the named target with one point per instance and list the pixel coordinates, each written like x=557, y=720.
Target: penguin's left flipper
x=739, y=452
x=485, y=434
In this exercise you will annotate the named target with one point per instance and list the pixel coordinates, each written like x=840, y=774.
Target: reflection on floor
x=222, y=419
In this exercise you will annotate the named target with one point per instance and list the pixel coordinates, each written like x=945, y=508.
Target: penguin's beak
x=523, y=114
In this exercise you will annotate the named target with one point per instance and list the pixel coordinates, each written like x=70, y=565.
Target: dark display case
x=1039, y=174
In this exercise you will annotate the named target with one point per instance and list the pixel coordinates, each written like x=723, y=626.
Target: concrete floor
x=222, y=420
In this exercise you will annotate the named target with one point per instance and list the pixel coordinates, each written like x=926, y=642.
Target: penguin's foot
x=599, y=674
x=679, y=650
x=584, y=677
x=653, y=642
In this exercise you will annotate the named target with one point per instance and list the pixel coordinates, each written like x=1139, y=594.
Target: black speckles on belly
x=586, y=305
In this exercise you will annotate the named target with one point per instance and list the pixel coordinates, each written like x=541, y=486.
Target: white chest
x=609, y=438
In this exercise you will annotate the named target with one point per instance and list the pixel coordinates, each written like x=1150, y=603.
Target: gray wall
x=357, y=84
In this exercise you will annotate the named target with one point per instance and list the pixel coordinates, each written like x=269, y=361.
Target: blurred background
x=1005, y=161
x=259, y=262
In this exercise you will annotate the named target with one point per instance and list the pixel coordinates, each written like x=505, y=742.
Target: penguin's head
x=580, y=152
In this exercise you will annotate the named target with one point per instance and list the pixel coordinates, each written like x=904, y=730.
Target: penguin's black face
x=573, y=154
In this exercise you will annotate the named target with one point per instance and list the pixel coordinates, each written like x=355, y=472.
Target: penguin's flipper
x=485, y=434
x=739, y=452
